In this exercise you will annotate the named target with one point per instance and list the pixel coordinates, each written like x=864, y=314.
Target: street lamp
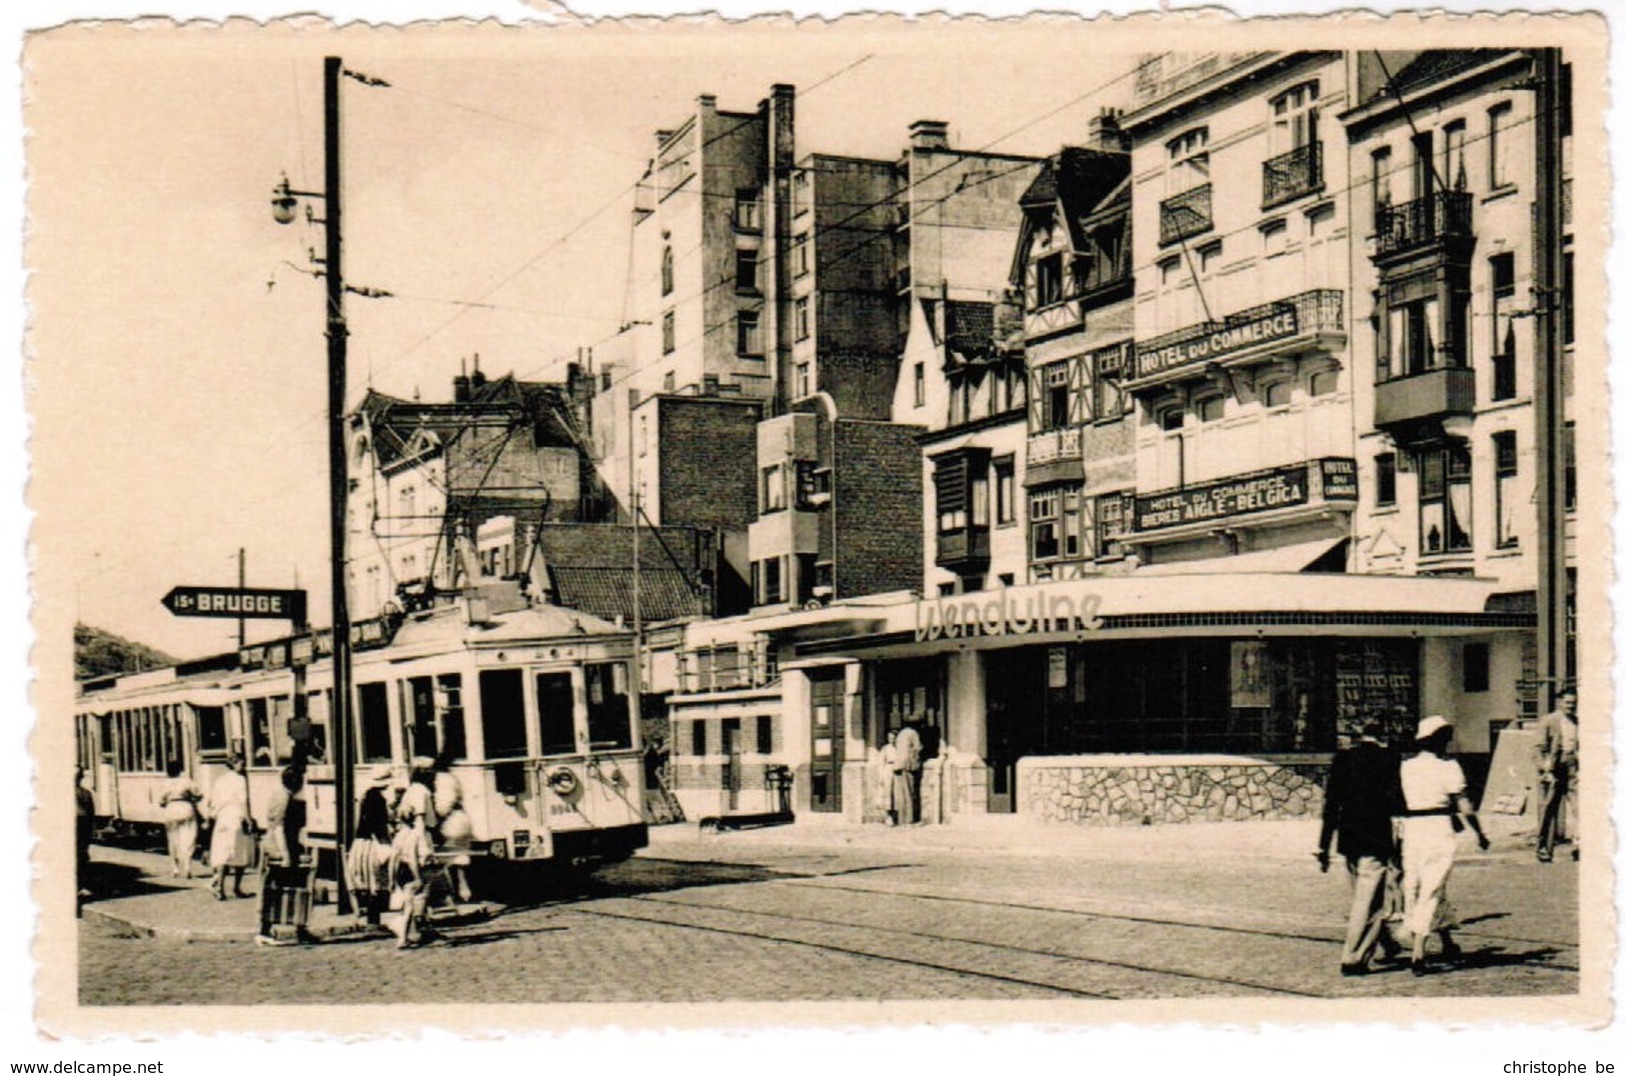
x=284, y=200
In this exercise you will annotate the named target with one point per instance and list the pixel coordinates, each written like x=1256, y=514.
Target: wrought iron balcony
x=1293, y=174
x=1187, y=214
x=1409, y=226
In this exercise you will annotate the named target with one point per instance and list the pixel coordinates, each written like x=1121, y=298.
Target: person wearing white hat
x=1435, y=798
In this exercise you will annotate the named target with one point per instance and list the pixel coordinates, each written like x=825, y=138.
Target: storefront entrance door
x=1015, y=702
x=731, y=762
x=828, y=740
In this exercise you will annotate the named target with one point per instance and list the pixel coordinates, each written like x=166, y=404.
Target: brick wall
x=708, y=462
x=876, y=508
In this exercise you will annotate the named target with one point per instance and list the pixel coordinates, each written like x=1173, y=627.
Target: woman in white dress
x=230, y=844
x=179, y=798
x=1435, y=797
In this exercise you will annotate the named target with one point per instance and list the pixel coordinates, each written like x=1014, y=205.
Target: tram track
x=968, y=947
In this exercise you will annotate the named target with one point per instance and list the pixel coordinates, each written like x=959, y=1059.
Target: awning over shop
x=1301, y=557
x=1192, y=603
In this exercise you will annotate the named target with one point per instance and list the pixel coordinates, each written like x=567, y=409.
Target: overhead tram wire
x=578, y=227
x=866, y=207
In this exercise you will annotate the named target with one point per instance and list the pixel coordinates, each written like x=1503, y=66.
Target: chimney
x=707, y=102
x=928, y=134
x=459, y=384
x=1105, y=133
x=478, y=380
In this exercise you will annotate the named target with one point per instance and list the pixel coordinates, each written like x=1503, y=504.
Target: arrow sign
x=235, y=602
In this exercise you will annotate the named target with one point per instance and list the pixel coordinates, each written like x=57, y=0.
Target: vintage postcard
x=686, y=523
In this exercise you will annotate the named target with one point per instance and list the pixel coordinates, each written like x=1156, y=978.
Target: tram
x=531, y=708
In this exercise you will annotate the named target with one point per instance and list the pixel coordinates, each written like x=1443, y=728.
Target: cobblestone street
x=759, y=917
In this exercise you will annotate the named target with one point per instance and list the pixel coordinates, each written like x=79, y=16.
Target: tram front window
x=555, y=700
x=374, y=722
x=502, y=713
x=211, y=728
x=609, y=713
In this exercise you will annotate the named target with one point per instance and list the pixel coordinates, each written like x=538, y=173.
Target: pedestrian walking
x=906, y=783
x=231, y=840
x=178, y=798
x=84, y=805
x=1363, y=796
x=409, y=885
x=1558, y=741
x=368, y=859
x=888, y=777
x=1436, y=805
x=456, y=833
x=283, y=868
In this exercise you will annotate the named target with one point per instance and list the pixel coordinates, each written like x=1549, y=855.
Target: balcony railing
x=1187, y=214
x=1052, y=445
x=1266, y=329
x=727, y=668
x=1412, y=225
x=1293, y=174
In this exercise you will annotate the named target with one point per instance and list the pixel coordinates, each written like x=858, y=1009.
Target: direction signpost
x=237, y=602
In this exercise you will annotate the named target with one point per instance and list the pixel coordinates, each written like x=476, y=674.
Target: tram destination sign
x=237, y=602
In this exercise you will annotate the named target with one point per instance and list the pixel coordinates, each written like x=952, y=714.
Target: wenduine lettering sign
x=1279, y=325
x=1284, y=487
x=1020, y=611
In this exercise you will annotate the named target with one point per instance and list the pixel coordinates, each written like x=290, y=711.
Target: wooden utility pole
x=1551, y=579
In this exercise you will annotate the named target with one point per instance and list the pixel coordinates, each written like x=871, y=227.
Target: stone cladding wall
x=1141, y=793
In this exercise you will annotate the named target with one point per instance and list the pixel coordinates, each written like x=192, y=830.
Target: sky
x=189, y=397
x=177, y=359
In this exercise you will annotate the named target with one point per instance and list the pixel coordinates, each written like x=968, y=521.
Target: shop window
x=555, y=705
x=1445, y=496
x=502, y=713
x=1506, y=488
x=1386, y=486
x=1475, y=667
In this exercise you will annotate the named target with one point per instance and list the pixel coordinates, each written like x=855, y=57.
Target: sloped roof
x=607, y=592
x=1435, y=65
x=543, y=407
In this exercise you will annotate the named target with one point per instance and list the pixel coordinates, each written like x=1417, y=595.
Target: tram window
x=259, y=733
x=281, y=734
x=502, y=712
x=211, y=728
x=449, y=699
x=320, y=706
x=106, y=731
x=556, y=702
x=374, y=723
x=418, y=694
x=177, y=741
x=609, y=713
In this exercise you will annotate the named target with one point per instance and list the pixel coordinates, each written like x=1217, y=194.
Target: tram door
x=828, y=740
x=732, y=762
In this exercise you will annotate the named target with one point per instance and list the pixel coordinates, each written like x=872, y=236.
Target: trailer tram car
x=532, y=708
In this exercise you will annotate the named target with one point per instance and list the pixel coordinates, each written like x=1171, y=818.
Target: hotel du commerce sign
x=1329, y=479
x=1280, y=324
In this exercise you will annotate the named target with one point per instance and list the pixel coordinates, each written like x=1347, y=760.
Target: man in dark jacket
x=1362, y=798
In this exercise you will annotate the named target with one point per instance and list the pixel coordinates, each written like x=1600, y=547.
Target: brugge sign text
x=235, y=602
x=1019, y=611
x=1218, y=343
